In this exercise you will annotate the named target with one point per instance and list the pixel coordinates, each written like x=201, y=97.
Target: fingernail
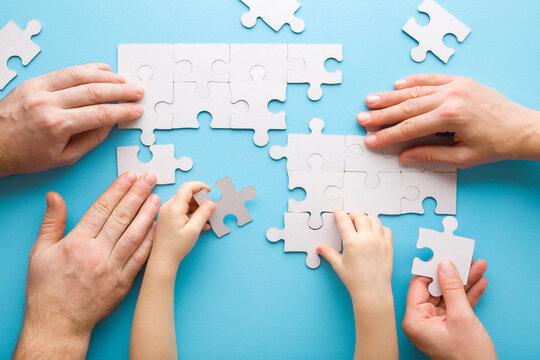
x=103, y=66
x=138, y=89
x=210, y=205
x=131, y=177
x=406, y=160
x=447, y=268
x=155, y=199
x=150, y=179
x=364, y=117
x=370, y=139
x=318, y=250
x=373, y=99
x=400, y=82
x=120, y=78
x=139, y=109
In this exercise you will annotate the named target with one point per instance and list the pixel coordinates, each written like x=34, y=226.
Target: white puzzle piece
x=313, y=71
x=445, y=246
x=194, y=63
x=299, y=237
x=15, y=42
x=430, y=37
x=275, y=13
x=163, y=163
x=230, y=203
x=440, y=186
x=315, y=182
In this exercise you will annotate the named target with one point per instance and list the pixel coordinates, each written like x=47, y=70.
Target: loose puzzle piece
x=300, y=147
x=152, y=66
x=258, y=95
x=231, y=203
x=445, y=246
x=163, y=163
x=275, y=13
x=440, y=186
x=15, y=42
x=315, y=182
x=188, y=105
x=314, y=73
x=430, y=37
x=299, y=237
x=194, y=63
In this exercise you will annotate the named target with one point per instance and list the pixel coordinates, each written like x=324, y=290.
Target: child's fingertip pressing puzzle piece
x=231, y=202
x=15, y=42
x=275, y=13
x=431, y=36
x=445, y=246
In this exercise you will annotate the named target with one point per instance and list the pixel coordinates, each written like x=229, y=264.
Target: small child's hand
x=180, y=222
x=366, y=264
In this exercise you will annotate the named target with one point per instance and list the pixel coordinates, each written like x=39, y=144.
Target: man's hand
x=447, y=328
x=488, y=127
x=55, y=119
x=76, y=280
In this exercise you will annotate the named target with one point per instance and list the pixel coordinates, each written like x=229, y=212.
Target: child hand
x=366, y=264
x=180, y=222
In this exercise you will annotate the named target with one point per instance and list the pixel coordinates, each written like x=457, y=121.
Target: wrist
x=162, y=268
x=527, y=146
x=373, y=304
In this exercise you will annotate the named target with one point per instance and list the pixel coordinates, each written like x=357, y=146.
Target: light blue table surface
x=241, y=297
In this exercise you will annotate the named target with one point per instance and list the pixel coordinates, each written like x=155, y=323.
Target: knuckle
x=133, y=238
x=415, y=92
x=453, y=110
x=34, y=102
x=103, y=207
x=121, y=216
x=93, y=93
x=75, y=74
x=461, y=160
x=433, y=77
x=139, y=258
x=407, y=128
x=104, y=113
x=409, y=106
x=454, y=285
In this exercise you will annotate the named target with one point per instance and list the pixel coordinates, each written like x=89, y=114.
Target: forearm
x=376, y=336
x=527, y=146
x=153, y=332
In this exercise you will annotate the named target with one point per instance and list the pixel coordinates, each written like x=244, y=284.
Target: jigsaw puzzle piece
x=275, y=13
x=163, y=163
x=315, y=182
x=431, y=36
x=314, y=73
x=445, y=246
x=299, y=237
x=230, y=203
x=15, y=42
x=194, y=63
x=150, y=65
x=440, y=186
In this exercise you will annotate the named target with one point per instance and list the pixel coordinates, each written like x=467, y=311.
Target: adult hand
x=55, y=119
x=488, y=127
x=447, y=328
x=76, y=280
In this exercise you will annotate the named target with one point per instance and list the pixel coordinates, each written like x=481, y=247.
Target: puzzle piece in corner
x=275, y=13
x=430, y=37
x=163, y=163
x=445, y=246
x=231, y=203
x=17, y=42
x=299, y=237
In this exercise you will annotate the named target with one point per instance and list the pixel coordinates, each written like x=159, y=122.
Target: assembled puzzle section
x=15, y=42
x=445, y=246
x=276, y=13
x=231, y=202
x=431, y=36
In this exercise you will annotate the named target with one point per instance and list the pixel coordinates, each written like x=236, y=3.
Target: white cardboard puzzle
x=275, y=13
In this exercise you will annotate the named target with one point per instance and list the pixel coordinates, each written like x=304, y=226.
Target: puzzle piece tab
x=230, y=203
x=430, y=37
x=445, y=246
x=275, y=13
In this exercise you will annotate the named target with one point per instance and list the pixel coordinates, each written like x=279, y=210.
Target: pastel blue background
x=241, y=297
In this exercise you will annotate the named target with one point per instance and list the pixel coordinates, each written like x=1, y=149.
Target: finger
x=139, y=257
x=99, y=66
x=476, y=291
x=376, y=224
x=124, y=213
x=455, y=155
x=345, y=226
x=96, y=116
x=79, y=75
x=388, y=235
x=92, y=222
x=418, y=291
x=330, y=254
x=391, y=98
x=201, y=216
x=361, y=222
x=184, y=195
x=476, y=272
x=53, y=225
x=424, y=80
x=80, y=144
x=95, y=93
x=135, y=233
x=452, y=289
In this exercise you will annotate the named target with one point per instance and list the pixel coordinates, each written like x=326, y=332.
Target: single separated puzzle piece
x=275, y=13
x=431, y=36
x=15, y=42
x=163, y=163
x=232, y=202
x=299, y=237
x=445, y=246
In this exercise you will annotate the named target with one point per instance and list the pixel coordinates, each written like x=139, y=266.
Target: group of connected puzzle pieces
x=340, y=172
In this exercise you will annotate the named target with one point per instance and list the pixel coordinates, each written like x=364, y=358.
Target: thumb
x=329, y=254
x=452, y=289
x=434, y=154
x=54, y=221
x=201, y=216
